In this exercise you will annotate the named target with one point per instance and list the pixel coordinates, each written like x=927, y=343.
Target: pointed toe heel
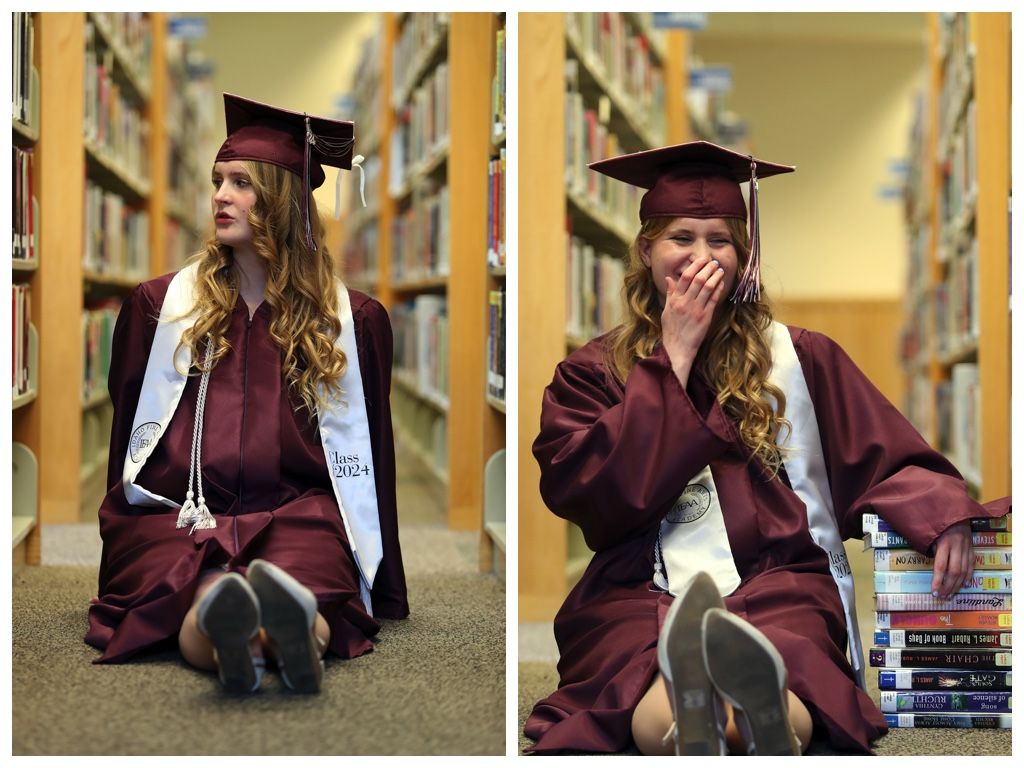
x=229, y=615
x=748, y=673
x=695, y=706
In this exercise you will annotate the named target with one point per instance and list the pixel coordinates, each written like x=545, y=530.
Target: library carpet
x=434, y=684
x=538, y=677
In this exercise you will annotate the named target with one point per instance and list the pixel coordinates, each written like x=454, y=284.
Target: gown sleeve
x=376, y=349
x=877, y=462
x=613, y=461
x=133, y=337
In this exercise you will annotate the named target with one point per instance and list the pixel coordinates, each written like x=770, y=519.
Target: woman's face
x=233, y=196
x=685, y=240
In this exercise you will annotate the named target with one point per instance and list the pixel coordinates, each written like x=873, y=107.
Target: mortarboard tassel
x=748, y=288
x=306, y=191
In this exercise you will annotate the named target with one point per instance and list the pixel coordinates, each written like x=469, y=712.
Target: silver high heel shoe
x=699, y=714
x=748, y=672
x=229, y=614
x=289, y=612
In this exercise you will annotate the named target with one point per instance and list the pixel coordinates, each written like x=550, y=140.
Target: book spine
x=930, y=657
x=943, y=620
x=900, y=601
x=940, y=720
x=871, y=523
x=944, y=679
x=944, y=701
x=942, y=638
x=892, y=540
x=921, y=581
x=985, y=558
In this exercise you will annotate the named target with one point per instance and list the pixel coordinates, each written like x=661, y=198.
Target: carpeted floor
x=434, y=684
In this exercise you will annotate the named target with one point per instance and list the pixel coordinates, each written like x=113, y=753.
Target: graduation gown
x=265, y=479
x=614, y=459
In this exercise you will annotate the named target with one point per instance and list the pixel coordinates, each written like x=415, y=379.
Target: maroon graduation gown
x=614, y=459
x=265, y=479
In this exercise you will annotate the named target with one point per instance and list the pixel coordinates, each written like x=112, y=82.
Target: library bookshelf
x=956, y=341
x=79, y=156
x=552, y=553
x=425, y=94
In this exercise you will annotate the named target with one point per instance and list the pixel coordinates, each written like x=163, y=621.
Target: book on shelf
x=942, y=638
x=496, y=344
x=944, y=701
x=498, y=85
x=421, y=345
x=921, y=581
x=947, y=720
x=419, y=239
x=988, y=558
x=23, y=44
x=116, y=235
x=943, y=619
x=23, y=244
x=496, y=210
x=944, y=679
x=21, y=317
x=98, y=319
x=953, y=658
x=593, y=286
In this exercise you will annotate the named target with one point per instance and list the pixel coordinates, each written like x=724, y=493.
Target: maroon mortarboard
x=298, y=142
x=700, y=180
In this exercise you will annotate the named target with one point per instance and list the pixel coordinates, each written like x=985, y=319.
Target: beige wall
x=298, y=61
x=839, y=110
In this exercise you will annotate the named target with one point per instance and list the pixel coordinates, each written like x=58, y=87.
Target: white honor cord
x=198, y=515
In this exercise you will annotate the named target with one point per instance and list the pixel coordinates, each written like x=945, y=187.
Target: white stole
x=695, y=542
x=344, y=427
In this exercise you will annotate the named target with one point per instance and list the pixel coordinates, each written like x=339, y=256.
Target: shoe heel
x=229, y=615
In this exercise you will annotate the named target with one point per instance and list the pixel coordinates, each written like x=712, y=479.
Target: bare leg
x=652, y=719
x=195, y=646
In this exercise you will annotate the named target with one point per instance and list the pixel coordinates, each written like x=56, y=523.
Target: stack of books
x=942, y=662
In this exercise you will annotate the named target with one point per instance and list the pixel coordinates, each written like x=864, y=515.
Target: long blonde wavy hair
x=734, y=358
x=300, y=289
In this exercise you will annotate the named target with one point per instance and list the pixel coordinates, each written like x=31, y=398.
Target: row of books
x=496, y=344
x=420, y=32
x=421, y=345
x=622, y=56
x=593, y=290
x=498, y=85
x=97, y=337
x=958, y=416
x=419, y=239
x=114, y=122
x=25, y=227
x=367, y=90
x=116, y=235
x=181, y=243
x=957, y=310
x=23, y=44
x=588, y=139
x=21, y=316
x=943, y=662
x=360, y=258
x=957, y=70
x=958, y=182
x=131, y=33
x=496, y=210
x=421, y=128
x=919, y=404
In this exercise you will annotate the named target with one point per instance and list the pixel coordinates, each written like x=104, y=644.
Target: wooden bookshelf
x=68, y=434
x=550, y=550
x=968, y=94
x=462, y=42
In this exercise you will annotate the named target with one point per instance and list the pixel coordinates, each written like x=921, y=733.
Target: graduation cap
x=295, y=141
x=699, y=180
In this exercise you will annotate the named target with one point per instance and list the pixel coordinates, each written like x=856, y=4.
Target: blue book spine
x=940, y=720
x=981, y=702
x=921, y=582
